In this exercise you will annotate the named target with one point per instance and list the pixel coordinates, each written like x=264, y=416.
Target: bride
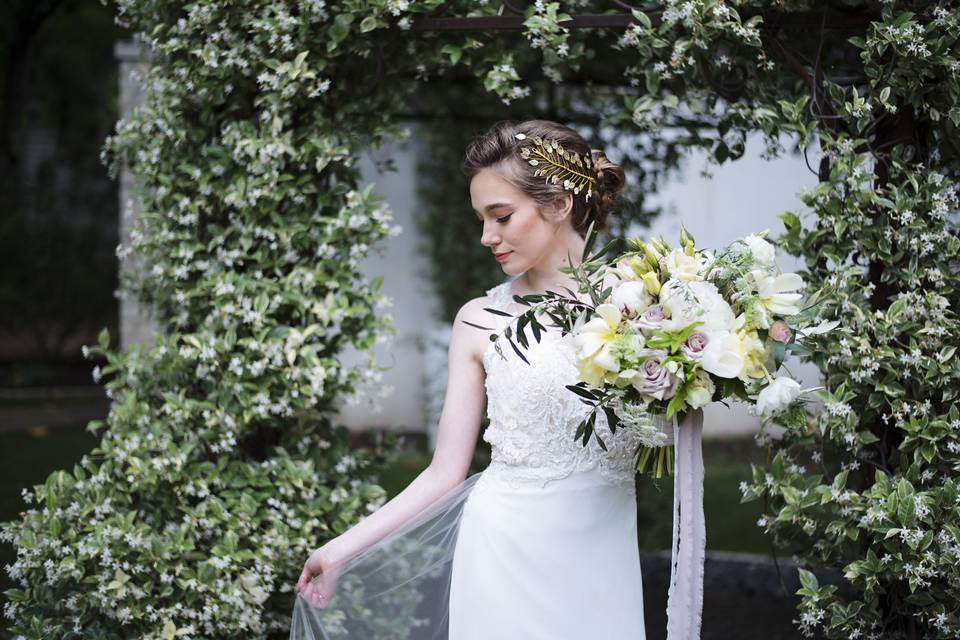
x=542, y=544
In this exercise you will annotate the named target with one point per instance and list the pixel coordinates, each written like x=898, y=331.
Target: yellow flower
x=630, y=268
x=593, y=342
x=755, y=354
x=652, y=282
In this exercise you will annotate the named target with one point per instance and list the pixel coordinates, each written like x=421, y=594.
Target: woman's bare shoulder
x=469, y=318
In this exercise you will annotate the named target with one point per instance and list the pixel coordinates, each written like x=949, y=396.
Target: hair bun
x=498, y=149
x=610, y=183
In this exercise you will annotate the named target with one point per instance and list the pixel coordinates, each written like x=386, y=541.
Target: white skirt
x=553, y=562
x=492, y=560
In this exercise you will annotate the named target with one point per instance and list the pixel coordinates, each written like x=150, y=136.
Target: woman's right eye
x=504, y=219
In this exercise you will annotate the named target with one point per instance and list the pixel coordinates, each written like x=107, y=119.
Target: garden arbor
x=219, y=468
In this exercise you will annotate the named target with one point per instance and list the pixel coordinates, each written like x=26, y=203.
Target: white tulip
x=725, y=354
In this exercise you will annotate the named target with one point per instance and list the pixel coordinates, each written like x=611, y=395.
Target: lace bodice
x=534, y=418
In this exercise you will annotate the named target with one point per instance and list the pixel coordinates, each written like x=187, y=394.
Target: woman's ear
x=563, y=207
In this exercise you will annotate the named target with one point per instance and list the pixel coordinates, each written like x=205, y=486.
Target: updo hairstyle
x=498, y=149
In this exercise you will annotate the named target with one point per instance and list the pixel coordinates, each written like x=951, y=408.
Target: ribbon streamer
x=685, y=596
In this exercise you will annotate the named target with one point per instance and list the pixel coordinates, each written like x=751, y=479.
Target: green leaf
x=589, y=239
x=779, y=351
x=498, y=312
x=368, y=24
x=808, y=580
x=642, y=18
x=453, y=52
x=517, y=351
x=581, y=391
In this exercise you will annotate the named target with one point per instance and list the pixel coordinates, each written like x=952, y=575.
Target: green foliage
x=881, y=247
x=218, y=468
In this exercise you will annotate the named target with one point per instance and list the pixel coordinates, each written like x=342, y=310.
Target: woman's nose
x=489, y=237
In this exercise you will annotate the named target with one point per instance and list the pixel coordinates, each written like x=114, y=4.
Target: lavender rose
x=654, y=379
x=651, y=319
x=695, y=344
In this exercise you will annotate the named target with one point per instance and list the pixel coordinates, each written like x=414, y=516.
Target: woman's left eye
x=504, y=218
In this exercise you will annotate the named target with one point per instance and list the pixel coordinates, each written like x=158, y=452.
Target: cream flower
x=777, y=396
x=686, y=303
x=631, y=298
x=761, y=250
x=702, y=390
x=774, y=293
x=594, y=339
x=681, y=266
x=738, y=353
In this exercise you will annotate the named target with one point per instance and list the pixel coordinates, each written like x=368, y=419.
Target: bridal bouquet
x=678, y=328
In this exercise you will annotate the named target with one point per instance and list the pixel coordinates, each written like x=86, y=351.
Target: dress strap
x=500, y=295
x=500, y=300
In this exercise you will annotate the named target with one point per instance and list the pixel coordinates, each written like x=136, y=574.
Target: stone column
x=136, y=325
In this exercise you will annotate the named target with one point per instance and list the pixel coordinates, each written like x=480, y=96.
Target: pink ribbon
x=685, y=596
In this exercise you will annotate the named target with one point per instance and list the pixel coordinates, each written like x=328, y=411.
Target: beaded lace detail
x=534, y=418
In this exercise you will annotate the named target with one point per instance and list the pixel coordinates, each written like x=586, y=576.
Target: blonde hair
x=497, y=148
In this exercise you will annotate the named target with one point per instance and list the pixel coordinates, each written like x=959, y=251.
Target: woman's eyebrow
x=495, y=205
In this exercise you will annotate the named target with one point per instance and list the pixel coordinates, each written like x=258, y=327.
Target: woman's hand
x=318, y=580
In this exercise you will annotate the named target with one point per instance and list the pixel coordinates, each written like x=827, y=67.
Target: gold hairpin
x=568, y=166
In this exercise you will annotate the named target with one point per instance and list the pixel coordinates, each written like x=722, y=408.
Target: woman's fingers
x=314, y=594
x=304, y=579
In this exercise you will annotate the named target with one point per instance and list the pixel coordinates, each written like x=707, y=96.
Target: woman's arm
x=456, y=439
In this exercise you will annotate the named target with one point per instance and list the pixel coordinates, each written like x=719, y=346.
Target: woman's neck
x=547, y=276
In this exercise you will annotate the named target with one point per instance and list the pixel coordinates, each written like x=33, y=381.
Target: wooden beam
x=800, y=20
x=515, y=23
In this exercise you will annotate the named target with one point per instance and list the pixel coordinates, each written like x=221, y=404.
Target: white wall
x=398, y=399
x=740, y=198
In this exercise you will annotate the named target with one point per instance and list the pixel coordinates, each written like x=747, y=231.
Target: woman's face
x=511, y=223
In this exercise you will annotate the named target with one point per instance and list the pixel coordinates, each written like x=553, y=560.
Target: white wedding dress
x=541, y=545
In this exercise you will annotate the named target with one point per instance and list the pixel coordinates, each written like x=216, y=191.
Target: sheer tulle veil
x=396, y=589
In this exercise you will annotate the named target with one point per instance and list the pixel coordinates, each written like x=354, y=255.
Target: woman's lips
x=502, y=256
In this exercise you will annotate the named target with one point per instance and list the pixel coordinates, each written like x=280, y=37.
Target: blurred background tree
x=58, y=208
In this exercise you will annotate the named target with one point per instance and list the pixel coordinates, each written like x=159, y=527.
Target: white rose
x=681, y=266
x=725, y=354
x=762, y=251
x=691, y=302
x=777, y=396
x=631, y=298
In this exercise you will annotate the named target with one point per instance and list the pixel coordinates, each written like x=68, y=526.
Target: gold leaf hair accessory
x=559, y=166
